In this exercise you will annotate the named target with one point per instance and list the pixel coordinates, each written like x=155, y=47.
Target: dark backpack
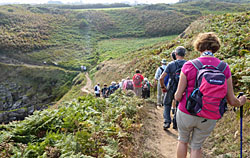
x=137, y=80
x=129, y=85
x=208, y=99
x=174, y=80
x=166, y=77
x=145, y=86
x=104, y=90
x=95, y=88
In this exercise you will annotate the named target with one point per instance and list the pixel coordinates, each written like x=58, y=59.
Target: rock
x=17, y=105
x=1, y=117
x=15, y=96
x=11, y=119
x=25, y=99
x=6, y=106
x=31, y=109
x=9, y=98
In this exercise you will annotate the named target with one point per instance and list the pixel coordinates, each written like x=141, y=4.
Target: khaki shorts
x=197, y=127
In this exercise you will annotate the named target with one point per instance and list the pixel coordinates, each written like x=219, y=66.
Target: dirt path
x=88, y=88
x=163, y=142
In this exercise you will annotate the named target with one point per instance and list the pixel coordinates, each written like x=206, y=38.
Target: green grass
x=115, y=48
x=81, y=10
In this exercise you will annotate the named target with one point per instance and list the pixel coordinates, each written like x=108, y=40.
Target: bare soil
x=158, y=143
x=152, y=141
x=88, y=88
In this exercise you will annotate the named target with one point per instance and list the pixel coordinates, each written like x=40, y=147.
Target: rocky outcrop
x=13, y=104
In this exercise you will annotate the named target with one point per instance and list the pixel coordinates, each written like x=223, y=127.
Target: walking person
x=159, y=71
x=97, y=90
x=137, y=80
x=112, y=88
x=128, y=84
x=104, y=91
x=146, y=88
x=121, y=83
x=199, y=128
x=173, y=70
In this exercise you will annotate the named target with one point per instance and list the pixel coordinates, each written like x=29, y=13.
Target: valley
x=43, y=46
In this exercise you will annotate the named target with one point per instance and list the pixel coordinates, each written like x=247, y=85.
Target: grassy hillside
x=68, y=37
x=99, y=128
x=233, y=30
x=87, y=127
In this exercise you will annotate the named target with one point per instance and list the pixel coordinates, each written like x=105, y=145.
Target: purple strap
x=222, y=66
x=198, y=65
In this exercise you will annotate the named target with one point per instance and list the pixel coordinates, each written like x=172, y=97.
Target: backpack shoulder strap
x=176, y=65
x=162, y=70
x=197, y=63
x=222, y=66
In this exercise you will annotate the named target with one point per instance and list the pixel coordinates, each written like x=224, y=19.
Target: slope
x=233, y=31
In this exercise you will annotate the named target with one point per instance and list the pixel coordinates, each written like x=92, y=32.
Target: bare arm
x=231, y=98
x=163, y=75
x=181, y=87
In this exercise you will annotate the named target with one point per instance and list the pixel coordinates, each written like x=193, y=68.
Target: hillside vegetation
x=233, y=30
x=87, y=127
x=90, y=127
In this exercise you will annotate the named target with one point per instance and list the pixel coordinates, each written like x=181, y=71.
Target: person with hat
x=97, y=90
x=146, y=88
x=158, y=73
x=104, y=91
x=173, y=69
x=111, y=88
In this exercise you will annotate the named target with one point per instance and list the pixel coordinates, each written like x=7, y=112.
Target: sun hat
x=164, y=61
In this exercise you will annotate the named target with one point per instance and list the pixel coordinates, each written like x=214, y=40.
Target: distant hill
x=231, y=1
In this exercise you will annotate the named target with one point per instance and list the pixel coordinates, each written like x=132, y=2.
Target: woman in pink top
x=190, y=127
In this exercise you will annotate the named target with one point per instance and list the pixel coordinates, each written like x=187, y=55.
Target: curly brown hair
x=207, y=41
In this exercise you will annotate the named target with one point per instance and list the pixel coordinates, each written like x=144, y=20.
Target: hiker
x=174, y=108
x=84, y=68
x=137, y=80
x=158, y=73
x=121, y=83
x=97, y=90
x=200, y=127
x=146, y=88
x=104, y=91
x=111, y=88
x=173, y=69
x=128, y=84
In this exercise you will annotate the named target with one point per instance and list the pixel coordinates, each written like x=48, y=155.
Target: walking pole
x=241, y=121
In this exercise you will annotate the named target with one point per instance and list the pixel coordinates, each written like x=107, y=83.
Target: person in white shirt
x=97, y=90
x=158, y=73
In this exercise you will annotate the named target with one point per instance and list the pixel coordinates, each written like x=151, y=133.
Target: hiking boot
x=166, y=126
x=174, y=126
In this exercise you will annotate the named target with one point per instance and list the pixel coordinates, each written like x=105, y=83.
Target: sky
x=90, y=1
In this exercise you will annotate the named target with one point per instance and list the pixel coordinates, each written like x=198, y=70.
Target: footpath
x=162, y=142
x=88, y=88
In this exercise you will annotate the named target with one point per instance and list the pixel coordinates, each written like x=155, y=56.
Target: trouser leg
x=138, y=91
x=159, y=94
x=167, y=106
x=175, y=115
